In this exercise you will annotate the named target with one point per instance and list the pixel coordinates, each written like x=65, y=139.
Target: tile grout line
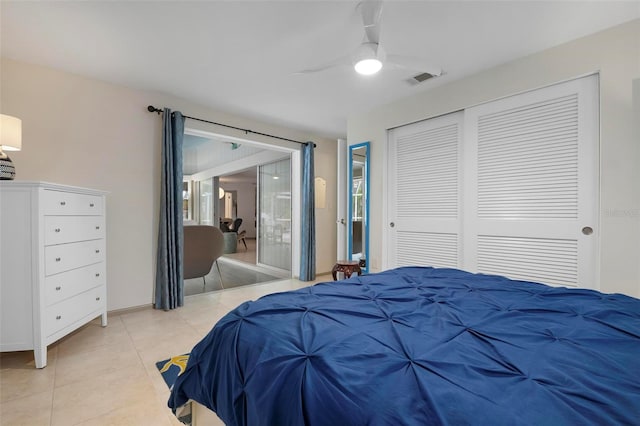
x=139, y=355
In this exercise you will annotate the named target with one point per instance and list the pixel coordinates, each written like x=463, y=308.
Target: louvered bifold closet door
x=533, y=202
x=424, y=193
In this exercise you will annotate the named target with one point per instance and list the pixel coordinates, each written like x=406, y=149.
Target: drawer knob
x=57, y=229
x=97, y=251
x=58, y=317
x=58, y=288
x=90, y=204
x=98, y=274
x=63, y=203
x=97, y=227
x=57, y=259
x=97, y=298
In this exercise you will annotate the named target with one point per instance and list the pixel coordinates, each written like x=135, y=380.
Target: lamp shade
x=220, y=192
x=10, y=133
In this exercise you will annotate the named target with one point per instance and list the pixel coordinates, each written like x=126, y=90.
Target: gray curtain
x=308, y=219
x=169, y=274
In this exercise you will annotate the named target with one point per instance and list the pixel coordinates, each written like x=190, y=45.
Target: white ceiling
x=200, y=154
x=240, y=56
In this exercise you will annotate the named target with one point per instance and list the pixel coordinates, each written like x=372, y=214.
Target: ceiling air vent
x=417, y=79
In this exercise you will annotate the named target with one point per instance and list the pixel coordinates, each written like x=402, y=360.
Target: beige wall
x=615, y=54
x=84, y=132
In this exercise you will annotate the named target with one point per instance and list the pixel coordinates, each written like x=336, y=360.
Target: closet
x=507, y=187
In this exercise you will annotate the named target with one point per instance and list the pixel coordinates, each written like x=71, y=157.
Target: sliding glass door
x=274, y=208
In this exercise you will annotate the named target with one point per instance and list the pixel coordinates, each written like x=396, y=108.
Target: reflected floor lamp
x=10, y=140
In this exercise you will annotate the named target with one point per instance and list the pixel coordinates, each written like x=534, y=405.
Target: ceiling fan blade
x=371, y=11
x=413, y=63
x=339, y=62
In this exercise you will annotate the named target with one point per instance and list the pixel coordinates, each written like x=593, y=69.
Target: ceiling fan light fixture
x=367, y=59
x=368, y=66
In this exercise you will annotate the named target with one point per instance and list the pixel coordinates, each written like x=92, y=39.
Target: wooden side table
x=347, y=267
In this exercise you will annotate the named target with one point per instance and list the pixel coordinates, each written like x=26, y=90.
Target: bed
x=421, y=346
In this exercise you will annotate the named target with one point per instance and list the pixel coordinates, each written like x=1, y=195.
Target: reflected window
x=357, y=199
x=274, y=203
x=186, y=195
x=206, y=202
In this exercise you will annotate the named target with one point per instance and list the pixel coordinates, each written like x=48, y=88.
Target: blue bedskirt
x=422, y=346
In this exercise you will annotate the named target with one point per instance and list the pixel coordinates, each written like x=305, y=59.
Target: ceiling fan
x=369, y=57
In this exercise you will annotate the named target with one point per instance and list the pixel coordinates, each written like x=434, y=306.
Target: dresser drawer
x=67, y=284
x=68, y=229
x=68, y=203
x=65, y=257
x=65, y=313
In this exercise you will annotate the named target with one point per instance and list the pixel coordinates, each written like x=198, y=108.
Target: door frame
x=341, y=200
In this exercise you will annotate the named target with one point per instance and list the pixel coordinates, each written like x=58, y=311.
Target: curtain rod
x=151, y=108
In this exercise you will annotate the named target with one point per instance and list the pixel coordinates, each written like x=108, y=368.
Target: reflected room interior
x=229, y=201
x=358, y=230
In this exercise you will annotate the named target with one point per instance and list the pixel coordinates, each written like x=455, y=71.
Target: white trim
x=386, y=217
x=341, y=199
x=296, y=208
x=292, y=146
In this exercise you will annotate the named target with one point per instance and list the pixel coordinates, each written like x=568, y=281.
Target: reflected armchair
x=203, y=245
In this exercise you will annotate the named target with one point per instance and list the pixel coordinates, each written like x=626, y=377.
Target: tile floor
x=107, y=376
x=234, y=274
x=243, y=254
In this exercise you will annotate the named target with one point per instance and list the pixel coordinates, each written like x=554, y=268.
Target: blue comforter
x=422, y=346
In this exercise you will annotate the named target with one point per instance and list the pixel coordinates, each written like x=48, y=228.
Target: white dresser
x=52, y=263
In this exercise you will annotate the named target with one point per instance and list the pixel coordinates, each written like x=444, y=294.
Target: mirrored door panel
x=358, y=223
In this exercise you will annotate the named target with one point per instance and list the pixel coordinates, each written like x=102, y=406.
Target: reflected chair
x=203, y=245
x=225, y=224
x=241, y=237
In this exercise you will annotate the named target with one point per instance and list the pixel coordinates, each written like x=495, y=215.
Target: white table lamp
x=10, y=140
